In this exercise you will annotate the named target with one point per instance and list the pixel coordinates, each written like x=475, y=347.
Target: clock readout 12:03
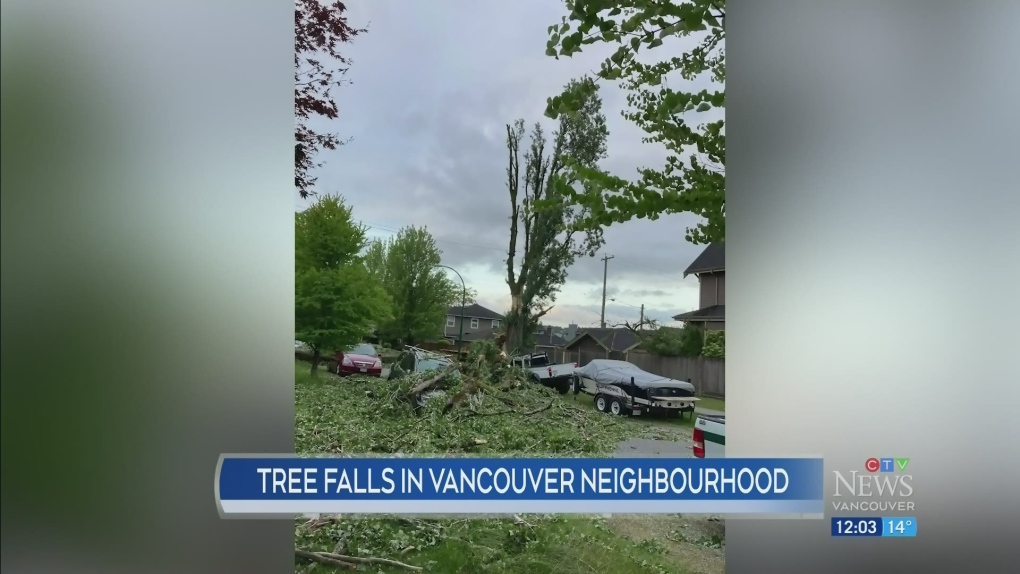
x=866, y=526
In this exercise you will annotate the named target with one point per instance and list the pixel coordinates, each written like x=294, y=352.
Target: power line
x=615, y=300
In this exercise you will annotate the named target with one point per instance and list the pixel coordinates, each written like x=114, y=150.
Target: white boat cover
x=609, y=372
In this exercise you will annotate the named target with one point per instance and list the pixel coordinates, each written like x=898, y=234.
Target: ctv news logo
x=884, y=486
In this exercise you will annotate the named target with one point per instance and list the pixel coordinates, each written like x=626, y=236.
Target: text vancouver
x=502, y=480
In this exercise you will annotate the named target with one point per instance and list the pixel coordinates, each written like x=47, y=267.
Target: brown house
x=611, y=343
x=710, y=268
x=547, y=340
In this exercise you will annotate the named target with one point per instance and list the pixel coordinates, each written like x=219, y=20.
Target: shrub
x=715, y=345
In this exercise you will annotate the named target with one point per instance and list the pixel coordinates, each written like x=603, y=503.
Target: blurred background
x=147, y=276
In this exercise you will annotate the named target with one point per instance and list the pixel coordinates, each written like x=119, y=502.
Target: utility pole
x=605, y=273
x=641, y=324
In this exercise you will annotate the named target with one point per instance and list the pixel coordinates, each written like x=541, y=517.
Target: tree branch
x=637, y=328
x=541, y=313
x=513, y=182
x=508, y=412
x=427, y=385
x=321, y=558
x=351, y=562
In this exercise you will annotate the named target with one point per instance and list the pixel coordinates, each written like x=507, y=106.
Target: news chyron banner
x=285, y=486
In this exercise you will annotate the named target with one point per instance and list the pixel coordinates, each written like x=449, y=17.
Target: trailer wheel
x=616, y=407
x=600, y=403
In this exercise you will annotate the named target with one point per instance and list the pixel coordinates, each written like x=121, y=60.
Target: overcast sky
x=434, y=85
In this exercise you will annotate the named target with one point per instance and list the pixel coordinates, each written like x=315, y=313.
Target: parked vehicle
x=415, y=360
x=558, y=376
x=360, y=359
x=710, y=436
x=621, y=388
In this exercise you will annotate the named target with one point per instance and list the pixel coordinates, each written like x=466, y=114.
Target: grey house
x=479, y=323
x=710, y=269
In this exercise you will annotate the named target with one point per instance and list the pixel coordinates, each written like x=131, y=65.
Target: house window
x=450, y=321
x=474, y=323
x=495, y=324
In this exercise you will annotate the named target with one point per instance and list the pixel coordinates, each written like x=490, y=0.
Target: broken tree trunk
x=431, y=384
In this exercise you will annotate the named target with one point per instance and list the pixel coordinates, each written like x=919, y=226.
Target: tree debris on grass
x=482, y=405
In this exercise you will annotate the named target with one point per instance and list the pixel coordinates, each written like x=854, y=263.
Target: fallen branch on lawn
x=509, y=411
x=519, y=520
x=319, y=521
x=428, y=384
x=351, y=562
x=322, y=558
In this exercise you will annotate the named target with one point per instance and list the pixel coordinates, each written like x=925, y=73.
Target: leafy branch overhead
x=689, y=124
x=319, y=66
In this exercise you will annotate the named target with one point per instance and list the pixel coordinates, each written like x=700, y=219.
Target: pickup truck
x=559, y=376
x=710, y=436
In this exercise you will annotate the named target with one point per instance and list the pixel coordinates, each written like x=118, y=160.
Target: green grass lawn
x=359, y=415
x=549, y=545
x=712, y=403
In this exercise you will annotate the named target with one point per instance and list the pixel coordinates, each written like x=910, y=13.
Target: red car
x=359, y=360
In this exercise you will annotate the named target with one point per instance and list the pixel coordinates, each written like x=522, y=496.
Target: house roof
x=549, y=339
x=713, y=258
x=474, y=310
x=710, y=313
x=614, y=339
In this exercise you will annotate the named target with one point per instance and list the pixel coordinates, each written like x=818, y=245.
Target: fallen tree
x=485, y=369
x=480, y=405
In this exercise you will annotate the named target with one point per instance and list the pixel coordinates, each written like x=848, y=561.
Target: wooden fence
x=707, y=375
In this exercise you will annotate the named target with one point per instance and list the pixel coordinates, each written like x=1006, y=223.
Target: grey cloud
x=644, y=293
x=434, y=85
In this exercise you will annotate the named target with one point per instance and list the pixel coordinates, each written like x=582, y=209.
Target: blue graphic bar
x=899, y=527
x=857, y=526
x=874, y=526
x=267, y=485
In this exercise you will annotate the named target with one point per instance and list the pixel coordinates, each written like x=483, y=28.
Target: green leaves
x=715, y=345
x=325, y=234
x=420, y=292
x=693, y=184
x=338, y=300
